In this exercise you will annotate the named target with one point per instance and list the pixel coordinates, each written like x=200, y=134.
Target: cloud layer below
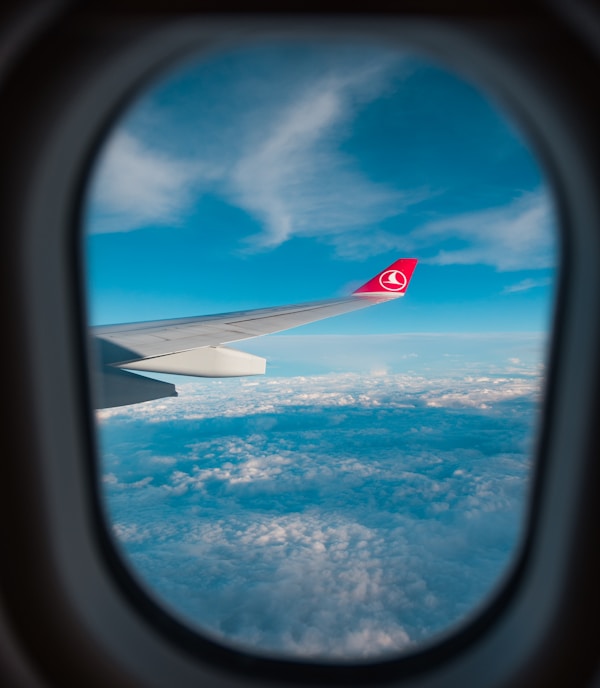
x=339, y=516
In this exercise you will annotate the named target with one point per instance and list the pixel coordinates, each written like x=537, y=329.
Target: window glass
x=368, y=492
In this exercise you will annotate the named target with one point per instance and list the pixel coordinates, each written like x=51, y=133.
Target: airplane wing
x=195, y=346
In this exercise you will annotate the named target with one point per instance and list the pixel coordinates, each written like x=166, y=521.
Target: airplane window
x=320, y=289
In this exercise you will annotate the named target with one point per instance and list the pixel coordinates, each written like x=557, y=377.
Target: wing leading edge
x=195, y=346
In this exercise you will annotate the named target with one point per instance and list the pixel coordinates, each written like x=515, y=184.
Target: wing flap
x=211, y=361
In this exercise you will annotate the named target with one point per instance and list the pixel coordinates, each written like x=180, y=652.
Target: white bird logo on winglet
x=393, y=280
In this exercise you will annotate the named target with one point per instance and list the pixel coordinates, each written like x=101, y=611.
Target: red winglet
x=392, y=281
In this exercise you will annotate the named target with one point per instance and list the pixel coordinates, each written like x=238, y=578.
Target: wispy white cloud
x=136, y=185
x=277, y=159
x=518, y=236
x=526, y=285
x=280, y=159
x=294, y=178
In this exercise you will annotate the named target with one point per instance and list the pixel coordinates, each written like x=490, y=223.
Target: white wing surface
x=195, y=346
x=149, y=339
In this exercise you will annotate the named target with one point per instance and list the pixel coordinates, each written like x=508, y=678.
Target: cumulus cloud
x=300, y=560
x=339, y=516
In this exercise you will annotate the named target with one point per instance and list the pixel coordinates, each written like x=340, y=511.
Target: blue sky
x=369, y=492
x=286, y=173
